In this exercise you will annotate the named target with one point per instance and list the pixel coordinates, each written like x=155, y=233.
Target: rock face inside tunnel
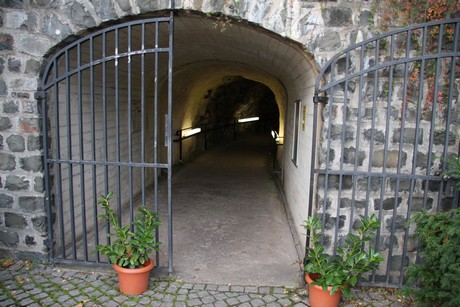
x=234, y=99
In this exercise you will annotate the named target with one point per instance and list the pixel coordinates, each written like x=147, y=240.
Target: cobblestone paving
x=27, y=284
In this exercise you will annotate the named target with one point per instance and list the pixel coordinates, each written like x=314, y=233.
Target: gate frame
x=321, y=97
x=45, y=84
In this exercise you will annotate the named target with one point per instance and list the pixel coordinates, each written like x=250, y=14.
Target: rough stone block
x=34, y=142
x=332, y=221
x=31, y=203
x=32, y=67
x=14, y=65
x=54, y=28
x=397, y=261
x=399, y=220
x=30, y=241
x=39, y=184
x=79, y=14
x=391, y=160
x=388, y=203
x=337, y=16
x=16, y=183
x=336, y=133
x=11, y=107
x=9, y=239
x=347, y=203
x=3, y=90
x=350, y=156
x=418, y=204
x=6, y=41
x=105, y=9
x=5, y=123
x=404, y=184
x=6, y=201
x=40, y=224
x=14, y=220
x=29, y=125
x=328, y=41
x=408, y=135
x=334, y=181
x=7, y=161
x=33, y=163
x=440, y=136
x=16, y=143
x=375, y=184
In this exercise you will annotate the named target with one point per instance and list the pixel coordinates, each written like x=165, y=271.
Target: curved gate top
x=386, y=121
x=107, y=110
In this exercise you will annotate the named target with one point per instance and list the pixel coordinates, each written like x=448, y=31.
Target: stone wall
x=32, y=29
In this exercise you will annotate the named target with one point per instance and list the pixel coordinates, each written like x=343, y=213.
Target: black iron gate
x=107, y=118
x=386, y=121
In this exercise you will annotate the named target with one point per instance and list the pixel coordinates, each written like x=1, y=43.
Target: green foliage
x=129, y=249
x=351, y=261
x=437, y=275
x=454, y=170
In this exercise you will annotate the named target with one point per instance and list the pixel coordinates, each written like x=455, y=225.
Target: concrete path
x=229, y=223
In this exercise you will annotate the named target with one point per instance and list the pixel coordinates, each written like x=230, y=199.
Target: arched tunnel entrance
x=106, y=114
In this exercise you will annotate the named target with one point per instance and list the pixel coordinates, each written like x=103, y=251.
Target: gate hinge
x=320, y=99
x=40, y=95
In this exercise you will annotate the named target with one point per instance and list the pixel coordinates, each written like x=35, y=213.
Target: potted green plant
x=130, y=247
x=329, y=276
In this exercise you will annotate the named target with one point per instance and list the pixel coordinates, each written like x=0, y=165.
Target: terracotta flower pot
x=134, y=281
x=320, y=298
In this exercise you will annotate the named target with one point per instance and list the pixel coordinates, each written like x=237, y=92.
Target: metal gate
x=107, y=118
x=386, y=120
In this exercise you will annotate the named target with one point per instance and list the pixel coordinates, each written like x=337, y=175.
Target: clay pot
x=134, y=281
x=320, y=298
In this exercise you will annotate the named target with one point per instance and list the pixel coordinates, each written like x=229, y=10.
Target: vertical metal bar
x=69, y=157
x=342, y=150
x=48, y=207
x=358, y=136
x=155, y=132
x=314, y=148
x=104, y=116
x=58, y=179
x=130, y=127
x=117, y=121
x=450, y=98
x=170, y=110
x=81, y=147
x=93, y=149
x=398, y=178
x=412, y=180
x=372, y=142
x=143, y=114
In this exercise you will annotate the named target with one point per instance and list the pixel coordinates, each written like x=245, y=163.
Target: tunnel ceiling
x=198, y=40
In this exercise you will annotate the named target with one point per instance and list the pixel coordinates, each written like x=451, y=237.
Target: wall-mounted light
x=248, y=119
x=276, y=137
x=190, y=132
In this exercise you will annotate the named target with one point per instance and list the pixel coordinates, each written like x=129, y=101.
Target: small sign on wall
x=304, y=115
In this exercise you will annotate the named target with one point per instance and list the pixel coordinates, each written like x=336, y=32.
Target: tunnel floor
x=229, y=222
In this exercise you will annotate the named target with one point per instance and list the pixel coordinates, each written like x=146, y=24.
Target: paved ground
x=233, y=247
x=229, y=221
x=32, y=284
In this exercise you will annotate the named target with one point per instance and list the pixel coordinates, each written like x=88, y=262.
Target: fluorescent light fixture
x=249, y=119
x=191, y=132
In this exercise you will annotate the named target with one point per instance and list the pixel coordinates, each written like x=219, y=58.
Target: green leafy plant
x=436, y=276
x=131, y=246
x=454, y=170
x=352, y=259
